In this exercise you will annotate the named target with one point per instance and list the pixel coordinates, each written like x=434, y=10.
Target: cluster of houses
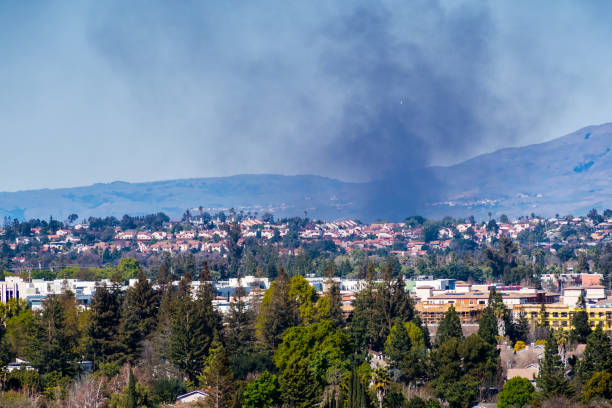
x=399, y=238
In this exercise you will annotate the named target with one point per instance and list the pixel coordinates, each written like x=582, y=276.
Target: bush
x=165, y=390
x=599, y=385
x=22, y=379
x=519, y=345
x=517, y=392
x=418, y=402
x=540, y=342
x=15, y=400
x=56, y=385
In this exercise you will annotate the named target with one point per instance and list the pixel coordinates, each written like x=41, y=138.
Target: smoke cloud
x=362, y=90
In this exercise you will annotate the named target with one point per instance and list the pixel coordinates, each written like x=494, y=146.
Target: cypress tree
x=450, y=327
x=131, y=393
x=356, y=393
x=551, y=379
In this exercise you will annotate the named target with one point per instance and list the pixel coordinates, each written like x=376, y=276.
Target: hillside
x=568, y=174
x=281, y=195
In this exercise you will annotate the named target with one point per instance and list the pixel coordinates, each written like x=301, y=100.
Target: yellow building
x=432, y=313
x=559, y=315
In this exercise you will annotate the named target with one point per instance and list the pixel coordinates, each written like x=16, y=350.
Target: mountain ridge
x=567, y=174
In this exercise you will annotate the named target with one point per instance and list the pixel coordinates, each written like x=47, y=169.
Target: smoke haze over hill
x=155, y=90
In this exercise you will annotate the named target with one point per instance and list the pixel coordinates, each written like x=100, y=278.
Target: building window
x=555, y=314
x=563, y=314
x=592, y=314
x=564, y=323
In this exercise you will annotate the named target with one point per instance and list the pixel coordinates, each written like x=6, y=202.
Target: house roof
x=199, y=392
x=528, y=373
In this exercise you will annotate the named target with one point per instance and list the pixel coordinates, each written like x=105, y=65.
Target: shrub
x=519, y=345
x=599, y=385
x=165, y=390
x=22, y=379
x=517, y=392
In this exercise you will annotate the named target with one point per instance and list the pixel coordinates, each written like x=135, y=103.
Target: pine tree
x=335, y=304
x=56, y=346
x=597, y=354
x=193, y=323
x=217, y=378
x=239, y=333
x=551, y=379
x=138, y=317
x=487, y=326
x=449, y=327
x=580, y=322
x=104, y=323
x=521, y=328
x=397, y=346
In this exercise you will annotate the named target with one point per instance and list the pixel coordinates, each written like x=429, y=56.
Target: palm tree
x=380, y=382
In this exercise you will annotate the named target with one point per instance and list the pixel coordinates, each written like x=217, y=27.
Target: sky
x=99, y=91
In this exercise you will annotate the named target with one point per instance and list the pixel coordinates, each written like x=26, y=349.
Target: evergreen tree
x=487, y=326
x=102, y=331
x=363, y=329
x=541, y=327
x=580, y=322
x=521, y=328
x=138, y=317
x=239, y=334
x=356, y=396
x=277, y=312
x=335, y=304
x=376, y=309
x=217, y=378
x=191, y=333
x=449, y=327
x=551, y=379
x=597, y=354
x=56, y=346
x=397, y=346
x=450, y=382
x=131, y=392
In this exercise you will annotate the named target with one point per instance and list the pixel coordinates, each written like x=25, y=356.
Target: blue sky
x=95, y=91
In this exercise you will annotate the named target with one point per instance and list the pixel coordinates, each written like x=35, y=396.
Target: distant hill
x=280, y=195
x=570, y=174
